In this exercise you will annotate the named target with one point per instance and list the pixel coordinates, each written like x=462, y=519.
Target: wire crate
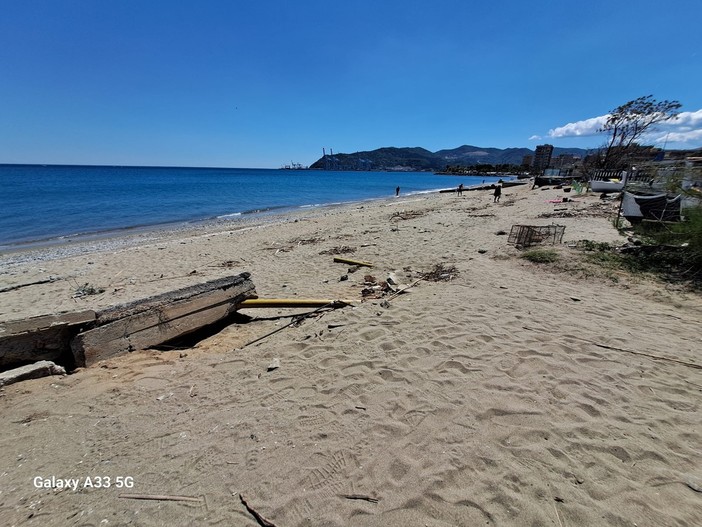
x=527, y=235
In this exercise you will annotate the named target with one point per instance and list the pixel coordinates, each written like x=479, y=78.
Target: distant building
x=527, y=160
x=542, y=158
x=566, y=160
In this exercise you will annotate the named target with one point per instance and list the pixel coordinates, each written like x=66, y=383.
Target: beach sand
x=506, y=394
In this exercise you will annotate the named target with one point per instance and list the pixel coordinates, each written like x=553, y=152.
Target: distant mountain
x=391, y=158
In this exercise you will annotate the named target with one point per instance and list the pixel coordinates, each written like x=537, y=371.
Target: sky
x=261, y=84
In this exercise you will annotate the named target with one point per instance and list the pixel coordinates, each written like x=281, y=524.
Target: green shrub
x=680, y=251
x=541, y=255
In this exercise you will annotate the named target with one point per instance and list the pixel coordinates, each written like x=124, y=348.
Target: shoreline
x=227, y=221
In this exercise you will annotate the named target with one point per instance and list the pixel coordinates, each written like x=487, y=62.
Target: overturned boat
x=637, y=207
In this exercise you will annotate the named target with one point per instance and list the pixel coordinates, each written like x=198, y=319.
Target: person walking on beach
x=497, y=194
x=460, y=189
x=397, y=191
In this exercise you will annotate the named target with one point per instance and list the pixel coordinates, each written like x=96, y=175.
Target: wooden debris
x=352, y=262
x=20, y=286
x=160, y=497
x=260, y=519
x=297, y=320
x=152, y=321
x=39, y=369
x=40, y=338
x=650, y=355
x=360, y=497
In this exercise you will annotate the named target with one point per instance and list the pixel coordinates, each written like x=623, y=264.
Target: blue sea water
x=42, y=203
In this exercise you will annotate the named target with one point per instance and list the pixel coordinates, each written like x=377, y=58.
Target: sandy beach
x=503, y=393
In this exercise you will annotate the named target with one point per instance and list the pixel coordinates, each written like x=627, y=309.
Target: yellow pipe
x=289, y=302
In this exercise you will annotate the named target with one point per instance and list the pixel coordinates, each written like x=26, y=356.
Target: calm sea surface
x=43, y=203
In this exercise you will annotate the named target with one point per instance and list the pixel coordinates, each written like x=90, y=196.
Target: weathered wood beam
x=40, y=338
x=152, y=321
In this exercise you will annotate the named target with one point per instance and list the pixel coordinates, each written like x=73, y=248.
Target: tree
x=627, y=123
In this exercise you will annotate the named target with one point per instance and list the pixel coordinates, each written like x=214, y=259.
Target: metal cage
x=526, y=235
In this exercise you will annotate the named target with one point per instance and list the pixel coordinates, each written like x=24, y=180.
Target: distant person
x=497, y=193
x=397, y=191
x=460, y=189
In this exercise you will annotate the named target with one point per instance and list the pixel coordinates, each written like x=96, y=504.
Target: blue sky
x=261, y=84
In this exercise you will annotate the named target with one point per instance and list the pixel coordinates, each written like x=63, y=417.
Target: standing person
x=497, y=194
x=460, y=189
x=397, y=191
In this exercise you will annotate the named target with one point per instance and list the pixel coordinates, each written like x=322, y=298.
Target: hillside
x=391, y=158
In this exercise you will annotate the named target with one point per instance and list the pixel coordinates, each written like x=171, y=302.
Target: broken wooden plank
x=152, y=321
x=47, y=337
x=352, y=262
x=39, y=369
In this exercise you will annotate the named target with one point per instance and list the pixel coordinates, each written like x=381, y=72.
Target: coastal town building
x=542, y=158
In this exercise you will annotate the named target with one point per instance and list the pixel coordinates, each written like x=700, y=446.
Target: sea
x=45, y=204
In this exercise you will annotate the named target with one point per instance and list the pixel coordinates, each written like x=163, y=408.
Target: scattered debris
x=87, y=290
x=307, y=241
x=406, y=215
x=274, y=365
x=440, y=273
x=343, y=249
x=297, y=319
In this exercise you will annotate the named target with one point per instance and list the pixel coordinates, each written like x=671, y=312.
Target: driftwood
x=40, y=338
x=650, y=356
x=20, y=286
x=352, y=262
x=334, y=304
x=260, y=519
x=360, y=497
x=146, y=323
x=160, y=497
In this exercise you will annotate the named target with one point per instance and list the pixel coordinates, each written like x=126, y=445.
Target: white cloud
x=685, y=129
x=579, y=128
x=686, y=121
x=535, y=138
x=678, y=137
